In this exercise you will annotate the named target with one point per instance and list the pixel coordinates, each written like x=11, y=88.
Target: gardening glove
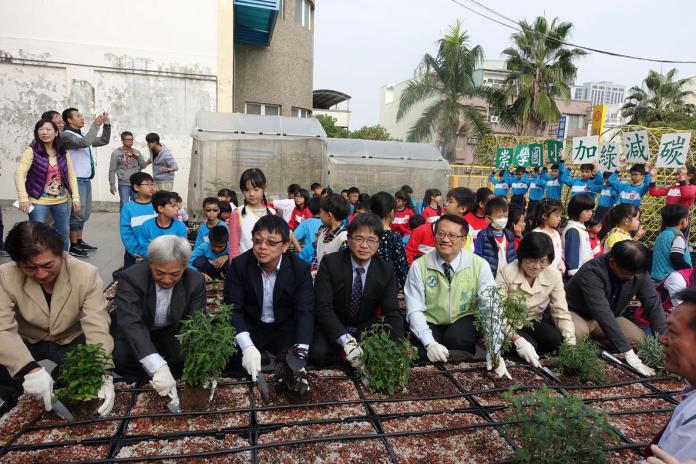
x=526, y=351
x=437, y=352
x=500, y=370
x=353, y=352
x=634, y=361
x=39, y=384
x=106, y=393
x=163, y=381
x=251, y=361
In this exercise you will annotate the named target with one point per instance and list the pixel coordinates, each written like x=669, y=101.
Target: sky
x=361, y=45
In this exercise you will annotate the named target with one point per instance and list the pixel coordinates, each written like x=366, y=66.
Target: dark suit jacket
x=588, y=294
x=334, y=285
x=135, y=305
x=293, y=296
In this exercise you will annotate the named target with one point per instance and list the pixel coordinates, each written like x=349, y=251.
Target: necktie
x=356, y=294
x=449, y=272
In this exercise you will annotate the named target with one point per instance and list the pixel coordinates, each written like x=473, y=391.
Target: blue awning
x=254, y=21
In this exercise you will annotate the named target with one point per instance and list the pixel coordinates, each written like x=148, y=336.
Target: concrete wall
x=140, y=61
x=281, y=74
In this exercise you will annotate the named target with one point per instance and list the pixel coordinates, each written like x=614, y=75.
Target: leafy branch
x=82, y=372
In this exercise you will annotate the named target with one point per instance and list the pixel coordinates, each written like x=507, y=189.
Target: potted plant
x=208, y=342
x=504, y=310
x=385, y=363
x=551, y=428
x=581, y=362
x=81, y=376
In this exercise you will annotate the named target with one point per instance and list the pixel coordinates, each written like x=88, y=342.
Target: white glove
x=634, y=361
x=437, y=352
x=39, y=384
x=353, y=352
x=251, y=361
x=106, y=393
x=500, y=370
x=163, y=381
x=526, y=351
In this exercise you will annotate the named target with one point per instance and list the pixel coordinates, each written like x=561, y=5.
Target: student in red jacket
x=460, y=200
x=402, y=214
x=301, y=211
x=683, y=192
x=431, y=205
x=477, y=218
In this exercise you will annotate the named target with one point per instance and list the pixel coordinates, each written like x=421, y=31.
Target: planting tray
x=449, y=413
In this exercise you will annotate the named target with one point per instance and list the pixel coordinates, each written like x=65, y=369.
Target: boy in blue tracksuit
x=586, y=183
x=165, y=223
x=633, y=192
x=519, y=186
x=501, y=185
x=537, y=187
x=134, y=214
x=211, y=258
x=608, y=198
x=554, y=186
x=211, y=208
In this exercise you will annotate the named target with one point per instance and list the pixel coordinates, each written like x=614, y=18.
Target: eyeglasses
x=542, y=262
x=212, y=210
x=369, y=240
x=270, y=243
x=451, y=236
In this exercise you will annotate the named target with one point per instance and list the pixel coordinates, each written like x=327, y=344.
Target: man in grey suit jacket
x=153, y=297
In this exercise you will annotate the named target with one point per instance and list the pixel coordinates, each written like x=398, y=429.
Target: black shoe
x=77, y=252
x=85, y=247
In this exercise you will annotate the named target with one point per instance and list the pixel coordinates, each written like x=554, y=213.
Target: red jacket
x=298, y=216
x=422, y=240
x=400, y=222
x=681, y=193
x=430, y=215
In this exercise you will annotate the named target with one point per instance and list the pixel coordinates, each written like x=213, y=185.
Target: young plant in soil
x=503, y=311
x=385, y=363
x=208, y=341
x=82, y=375
x=558, y=429
x=580, y=362
x=652, y=353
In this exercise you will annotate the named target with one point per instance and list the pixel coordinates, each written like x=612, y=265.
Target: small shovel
x=173, y=405
x=550, y=373
x=606, y=355
x=263, y=387
x=60, y=409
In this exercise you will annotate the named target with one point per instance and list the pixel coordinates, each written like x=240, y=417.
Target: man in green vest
x=438, y=290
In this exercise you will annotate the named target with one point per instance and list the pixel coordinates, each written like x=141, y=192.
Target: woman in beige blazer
x=49, y=302
x=542, y=286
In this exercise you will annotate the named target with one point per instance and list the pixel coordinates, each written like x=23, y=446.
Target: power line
x=519, y=28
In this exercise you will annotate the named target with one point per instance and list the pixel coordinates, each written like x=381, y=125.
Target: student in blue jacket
x=501, y=185
x=608, y=198
x=133, y=216
x=519, y=186
x=165, y=223
x=537, y=187
x=632, y=193
x=495, y=241
x=211, y=258
x=589, y=181
x=554, y=186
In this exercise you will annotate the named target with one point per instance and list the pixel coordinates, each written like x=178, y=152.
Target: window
x=576, y=121
x=304, y=14
x=300, y=113
x=261, y=108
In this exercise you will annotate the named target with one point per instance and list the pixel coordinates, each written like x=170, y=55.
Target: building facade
x=600, y=93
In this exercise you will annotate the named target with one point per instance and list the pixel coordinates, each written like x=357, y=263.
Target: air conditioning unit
x=472, y=140
x=493, y=119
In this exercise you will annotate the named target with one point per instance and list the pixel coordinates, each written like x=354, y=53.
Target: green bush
x=208, y=342
x=555, y=429
x=385, y=363
x=652, y=353
x=82, y=372
x=580, y=361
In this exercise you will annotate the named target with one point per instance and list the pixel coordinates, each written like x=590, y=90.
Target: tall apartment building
x=600, y=93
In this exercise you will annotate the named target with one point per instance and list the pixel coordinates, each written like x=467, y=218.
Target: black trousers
x=543, y=335
x=266, y=337
x=460, y=335
x=11, y=387
x=203, y=265
x=128, y=365
x=325, y=352
x=518, y=200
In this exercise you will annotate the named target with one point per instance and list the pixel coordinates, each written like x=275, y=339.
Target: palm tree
x=540, y=69
x=447, y=78
x=659, y=96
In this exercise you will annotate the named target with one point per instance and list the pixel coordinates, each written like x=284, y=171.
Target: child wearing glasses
x=211, y=208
